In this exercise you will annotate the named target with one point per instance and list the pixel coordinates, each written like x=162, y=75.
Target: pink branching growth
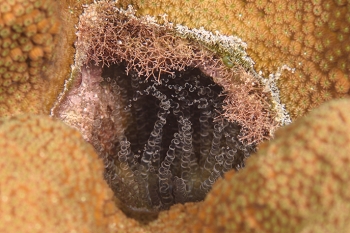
x=246, y=105
x=149, y=49
x=106, y=38
x=109, y=36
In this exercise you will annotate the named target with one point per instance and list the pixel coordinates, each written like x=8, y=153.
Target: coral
x=297, y=182
x=311, y=38
x=179, y=218
x=153, y=105
x=27, y=36
x=51, y=180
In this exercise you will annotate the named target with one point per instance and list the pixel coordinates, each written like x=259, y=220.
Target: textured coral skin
x=180, y=218
x=316, y=183
x=28, y=32
x=51, y=180
x=57, y=62
x=296, y=183
x=308, y=36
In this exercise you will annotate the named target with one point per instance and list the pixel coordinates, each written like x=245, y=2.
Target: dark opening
x=176, y=144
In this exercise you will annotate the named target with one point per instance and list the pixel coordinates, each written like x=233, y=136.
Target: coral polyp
x=27, y=41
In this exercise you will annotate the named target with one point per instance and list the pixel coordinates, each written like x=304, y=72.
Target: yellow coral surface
x=298, y=181
x=27, y=40
x=309, y=38
x=51, y=180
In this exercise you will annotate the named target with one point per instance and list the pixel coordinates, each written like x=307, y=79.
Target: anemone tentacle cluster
x=177, y=143
x=153, y=105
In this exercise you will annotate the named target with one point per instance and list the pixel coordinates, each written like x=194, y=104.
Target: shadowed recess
x=165, y=112
x=176, y=144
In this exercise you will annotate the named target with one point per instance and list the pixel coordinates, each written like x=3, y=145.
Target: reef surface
x=172, y=112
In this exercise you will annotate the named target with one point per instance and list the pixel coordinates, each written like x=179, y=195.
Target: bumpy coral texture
x=311, y=37
x=27, y=39
x=51, y=180
x=180, y=218
x=297, y=183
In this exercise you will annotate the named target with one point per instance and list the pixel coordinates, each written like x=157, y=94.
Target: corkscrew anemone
x=168, y=113
x=176, y=144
